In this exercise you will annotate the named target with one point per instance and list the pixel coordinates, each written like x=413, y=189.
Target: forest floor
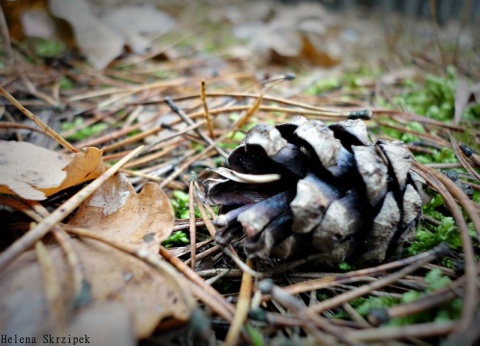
x=107, y=136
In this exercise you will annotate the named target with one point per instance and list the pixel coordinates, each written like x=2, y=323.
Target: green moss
x=323, y=86
x=255, y=336
x=435, y=98
x=66, y=83
x=180, y=203
x=450, y=310
x=233, y=142
x=365, y=305
x=178, y=238
x=445, y=155
x=435, y=280
x=46, y=48
x=84, y=132
x=346, y=267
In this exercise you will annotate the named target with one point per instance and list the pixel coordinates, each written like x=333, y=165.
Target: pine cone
x=304, y=187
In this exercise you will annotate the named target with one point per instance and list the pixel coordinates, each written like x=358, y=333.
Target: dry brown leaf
x=111, y=316
x=113, y=277
x=134, y=23
x=142, y=220
x=34, y=173
x=304, y=32
x=101, y=38
x=98, y=42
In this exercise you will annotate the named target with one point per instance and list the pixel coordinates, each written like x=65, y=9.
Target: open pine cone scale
x=304, y=187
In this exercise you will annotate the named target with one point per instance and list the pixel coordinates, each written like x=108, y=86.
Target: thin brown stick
x=45, y=128
x=359, y=275
x=193, y=229
x=192, y=159
x=214, y=249
x=75, y=265
x=322, y=110
x=12, y=125
x=205, y=110
x=460, y=156
x=385, y=334
x=310, y=319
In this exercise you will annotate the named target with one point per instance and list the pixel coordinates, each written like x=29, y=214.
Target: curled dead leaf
x=34, y=173
x=142, y=220
x=111, y=276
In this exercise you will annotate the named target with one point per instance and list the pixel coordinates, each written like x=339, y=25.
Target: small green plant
x=44, y=48
x=178, y=238
x=346, y=267
x=85, y=132
x=180, y=203
x=429, y=236
x=66, y=83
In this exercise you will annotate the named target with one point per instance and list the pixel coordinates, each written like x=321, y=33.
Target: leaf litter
x=112, y=232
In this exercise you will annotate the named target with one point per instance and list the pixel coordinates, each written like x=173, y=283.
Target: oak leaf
x=34, y=173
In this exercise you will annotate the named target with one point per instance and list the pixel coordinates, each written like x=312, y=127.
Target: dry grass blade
x=60, y=213
x=309, y=317
x=243, y=306
x=364, y=114
x=249, y=113
x=362, y=274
